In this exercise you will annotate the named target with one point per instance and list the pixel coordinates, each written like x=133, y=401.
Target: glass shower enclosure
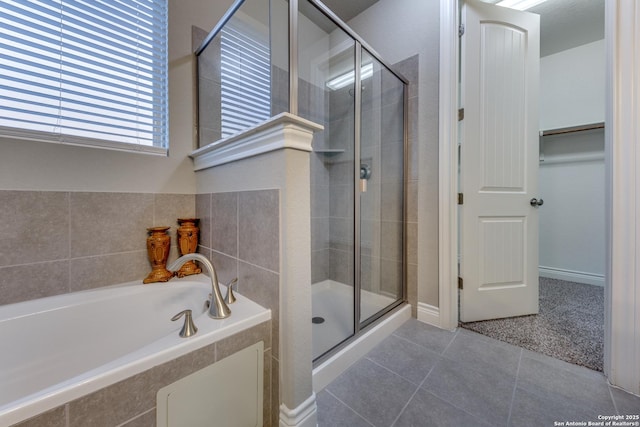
x=357, y=177
x=297, y=56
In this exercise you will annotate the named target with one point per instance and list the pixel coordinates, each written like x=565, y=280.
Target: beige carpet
x=570, y=325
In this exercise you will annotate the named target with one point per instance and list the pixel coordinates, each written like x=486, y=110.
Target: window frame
x=158, y=112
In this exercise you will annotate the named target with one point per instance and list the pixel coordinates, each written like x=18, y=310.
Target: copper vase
x=188, y=244
x=158, y=246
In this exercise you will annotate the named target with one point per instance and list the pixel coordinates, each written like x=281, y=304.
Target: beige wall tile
x=228, y=346
x=259, y=228
x=31, y=281
x=167, y=208
x=224, y=223
x=148, y=419
x=106, y=223
x=53, y=418
x=34, y=226
x=263, y=287
x=203, y=211
x=103, y=270
x=226, y=267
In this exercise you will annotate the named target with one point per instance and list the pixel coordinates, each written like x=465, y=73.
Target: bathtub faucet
x=217, y=308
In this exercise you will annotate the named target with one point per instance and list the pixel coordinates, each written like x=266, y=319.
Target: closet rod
x=572, y=129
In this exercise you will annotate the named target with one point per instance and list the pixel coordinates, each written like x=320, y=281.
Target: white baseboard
x=305, y=415
x=571, y=276
x=429, y=314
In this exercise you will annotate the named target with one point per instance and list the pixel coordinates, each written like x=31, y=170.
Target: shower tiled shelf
x=330, y=151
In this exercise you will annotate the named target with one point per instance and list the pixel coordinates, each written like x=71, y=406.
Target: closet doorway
x=571, y=184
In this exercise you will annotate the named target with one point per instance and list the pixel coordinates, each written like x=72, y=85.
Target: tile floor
x=424, y=376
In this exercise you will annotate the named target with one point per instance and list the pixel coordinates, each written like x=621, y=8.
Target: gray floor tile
x=472, y=348
x=627, y=403
x=550, y=381
x=561, y=364
x=375, y=393
x=409, y=360
x=532, y=410
x=333, y=413
x=426, y=409
x=428, y=336
x=484, y=392
x=470, y=381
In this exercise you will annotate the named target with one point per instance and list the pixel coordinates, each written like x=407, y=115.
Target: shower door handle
x=363, y=185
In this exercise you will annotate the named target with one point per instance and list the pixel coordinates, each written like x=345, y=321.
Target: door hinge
x=460, y=114
x=460, y=30
x=460, y=283
x=460, y=198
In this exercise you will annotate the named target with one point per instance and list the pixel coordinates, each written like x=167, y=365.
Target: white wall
x=572, y=225
x=26, y=165
x=572, y=90
x=572, y=175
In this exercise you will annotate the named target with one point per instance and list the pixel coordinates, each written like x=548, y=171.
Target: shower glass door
x=380, y=181
x=357, y=180
x=326, y=90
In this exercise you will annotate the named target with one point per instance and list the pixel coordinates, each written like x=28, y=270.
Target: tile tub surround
x=58, y=242
x=131, y=402
x=239, y=233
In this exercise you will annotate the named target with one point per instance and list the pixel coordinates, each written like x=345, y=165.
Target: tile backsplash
x=57, y=242
x=240, y=234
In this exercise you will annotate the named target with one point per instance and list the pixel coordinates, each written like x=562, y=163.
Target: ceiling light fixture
x=519, y=4
x=348, y=78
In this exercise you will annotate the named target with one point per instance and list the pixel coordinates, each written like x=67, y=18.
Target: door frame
x=622, y=188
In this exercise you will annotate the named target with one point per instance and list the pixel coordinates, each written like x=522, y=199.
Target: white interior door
x=500, y=55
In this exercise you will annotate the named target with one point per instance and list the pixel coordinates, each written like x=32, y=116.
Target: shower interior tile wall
x=58, y=242
x=332, y=186
x=240, y=234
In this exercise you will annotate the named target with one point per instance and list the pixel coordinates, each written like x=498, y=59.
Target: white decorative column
x=622, y=135
x=275, y=154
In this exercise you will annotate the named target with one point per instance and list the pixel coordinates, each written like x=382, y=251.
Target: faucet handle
x=230, y=298
x=189, y=328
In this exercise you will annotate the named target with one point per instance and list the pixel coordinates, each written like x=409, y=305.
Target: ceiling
x=348, y=9
x=568, y=23
x=563, y=23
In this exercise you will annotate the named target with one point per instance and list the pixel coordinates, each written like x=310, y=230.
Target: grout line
x=136, y=417
x=457, y=407
x=515, y=387
x=615, y=407
x=387, y=369
x=349, y=407
x=415, y=343
x=455, y=335
x=68, y=244
x=413, y=395
x=257, y=266
x=237, y=201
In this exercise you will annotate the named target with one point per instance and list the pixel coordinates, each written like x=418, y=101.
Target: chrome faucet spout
x=218, y=309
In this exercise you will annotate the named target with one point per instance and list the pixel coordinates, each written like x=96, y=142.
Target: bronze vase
x=188, y=244
x=158, y=246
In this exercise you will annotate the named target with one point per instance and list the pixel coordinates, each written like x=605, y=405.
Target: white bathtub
x=60, y=348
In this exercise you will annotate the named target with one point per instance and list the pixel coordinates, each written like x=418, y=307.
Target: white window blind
x=88, y=72
x=245, y=75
